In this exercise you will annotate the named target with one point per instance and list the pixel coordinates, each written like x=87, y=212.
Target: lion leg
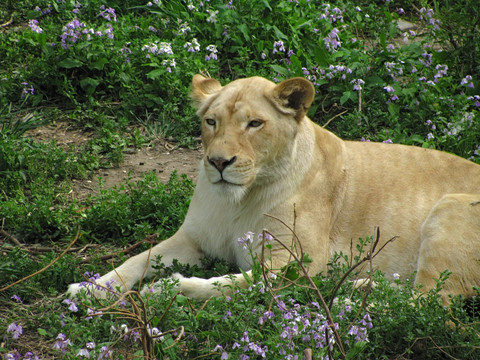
x=450, y=240
x=179, y=247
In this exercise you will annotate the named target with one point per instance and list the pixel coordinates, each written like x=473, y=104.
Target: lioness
x=264, y=155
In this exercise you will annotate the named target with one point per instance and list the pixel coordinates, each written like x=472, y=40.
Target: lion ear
x=203, y=87
x=295, y=94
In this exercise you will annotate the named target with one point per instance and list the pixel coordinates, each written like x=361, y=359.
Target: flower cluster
x=169, y=64
x=298, y=325
x=76, y=30
x=475, y=99
x=357, y=84
x=27, y=89
x=332, y=41
x=332, y=15
x=212, y=17
x=72, y=306
x=193, y=46
x=73, y=31
x=108, y=13
x=278, y=46
x=427, y=16
x=467, y=80
x=213, y=53
x=156, y=48
x=62, y=343
x=33, y=24
x=46, y=11
x=390, y=90
x=15, y=330
x=248, y=238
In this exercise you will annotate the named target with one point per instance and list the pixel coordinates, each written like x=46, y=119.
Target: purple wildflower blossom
x=33, y=24
x=108, y=13
x=357, y=84
x=71, y=305
x=278, y=46
x=15, y=330
x=332, y=41
x=213, y=53
x=16, y=298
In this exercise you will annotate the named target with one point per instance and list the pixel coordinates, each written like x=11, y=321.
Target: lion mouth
x=226, y=183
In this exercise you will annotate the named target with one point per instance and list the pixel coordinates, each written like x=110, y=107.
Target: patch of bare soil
x=162, y=157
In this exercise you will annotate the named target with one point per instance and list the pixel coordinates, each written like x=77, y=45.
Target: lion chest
x=216, y=225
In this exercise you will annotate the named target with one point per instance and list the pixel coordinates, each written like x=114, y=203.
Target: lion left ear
x=203, y=87
x=296, y=94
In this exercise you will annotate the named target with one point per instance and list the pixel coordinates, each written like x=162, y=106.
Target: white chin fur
x=230, y=192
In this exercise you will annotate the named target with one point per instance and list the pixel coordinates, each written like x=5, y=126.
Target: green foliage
x=135, y=210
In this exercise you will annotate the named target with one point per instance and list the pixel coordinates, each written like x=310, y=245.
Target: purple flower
x=71, y=305
x=62, y=343
x=213, y=53
x=430, y=136
x=33, y=24
x=108, y=13
x=388, y=141
x=15, y=330
x=16, y=298
x=389, y=89
x=278, y=46
x=427, y=59
x=84, y=353
x=104, y=353
x=467, y=80
x=357, y=84
x=27, y=90
x=246, y=240
x=212, y=17
x=332, y=41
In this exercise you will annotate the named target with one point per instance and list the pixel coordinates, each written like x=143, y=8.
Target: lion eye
x=255, y=123
x=210, y=121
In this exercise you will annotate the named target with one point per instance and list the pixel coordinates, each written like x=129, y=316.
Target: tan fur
x=274, y=159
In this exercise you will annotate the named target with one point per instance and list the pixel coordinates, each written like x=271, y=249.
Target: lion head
x=248, y=129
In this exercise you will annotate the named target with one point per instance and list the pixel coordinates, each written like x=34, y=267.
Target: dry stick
x=331, y=323
x=7, y=23
x=124, y=251
x=46, y=267
x=333, y=118
x=369, y=257
x=12, y=238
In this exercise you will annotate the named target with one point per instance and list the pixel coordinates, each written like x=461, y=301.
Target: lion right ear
x=203, y=87
x=295, y=94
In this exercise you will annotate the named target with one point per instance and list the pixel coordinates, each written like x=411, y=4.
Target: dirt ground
x=161, y=156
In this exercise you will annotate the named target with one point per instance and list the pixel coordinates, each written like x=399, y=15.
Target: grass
x=109, y=68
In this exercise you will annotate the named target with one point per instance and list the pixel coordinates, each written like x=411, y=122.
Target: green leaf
x=99, y=64
x=279, y=69
x=393, y=109
x=279, y=34
x=155, y=74
x=70, y=63
x=347, y=95
x=245, y=31
x=89, y=85
x=42, y=332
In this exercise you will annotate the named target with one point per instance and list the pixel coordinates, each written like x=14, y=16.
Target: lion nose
x=220, y=163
